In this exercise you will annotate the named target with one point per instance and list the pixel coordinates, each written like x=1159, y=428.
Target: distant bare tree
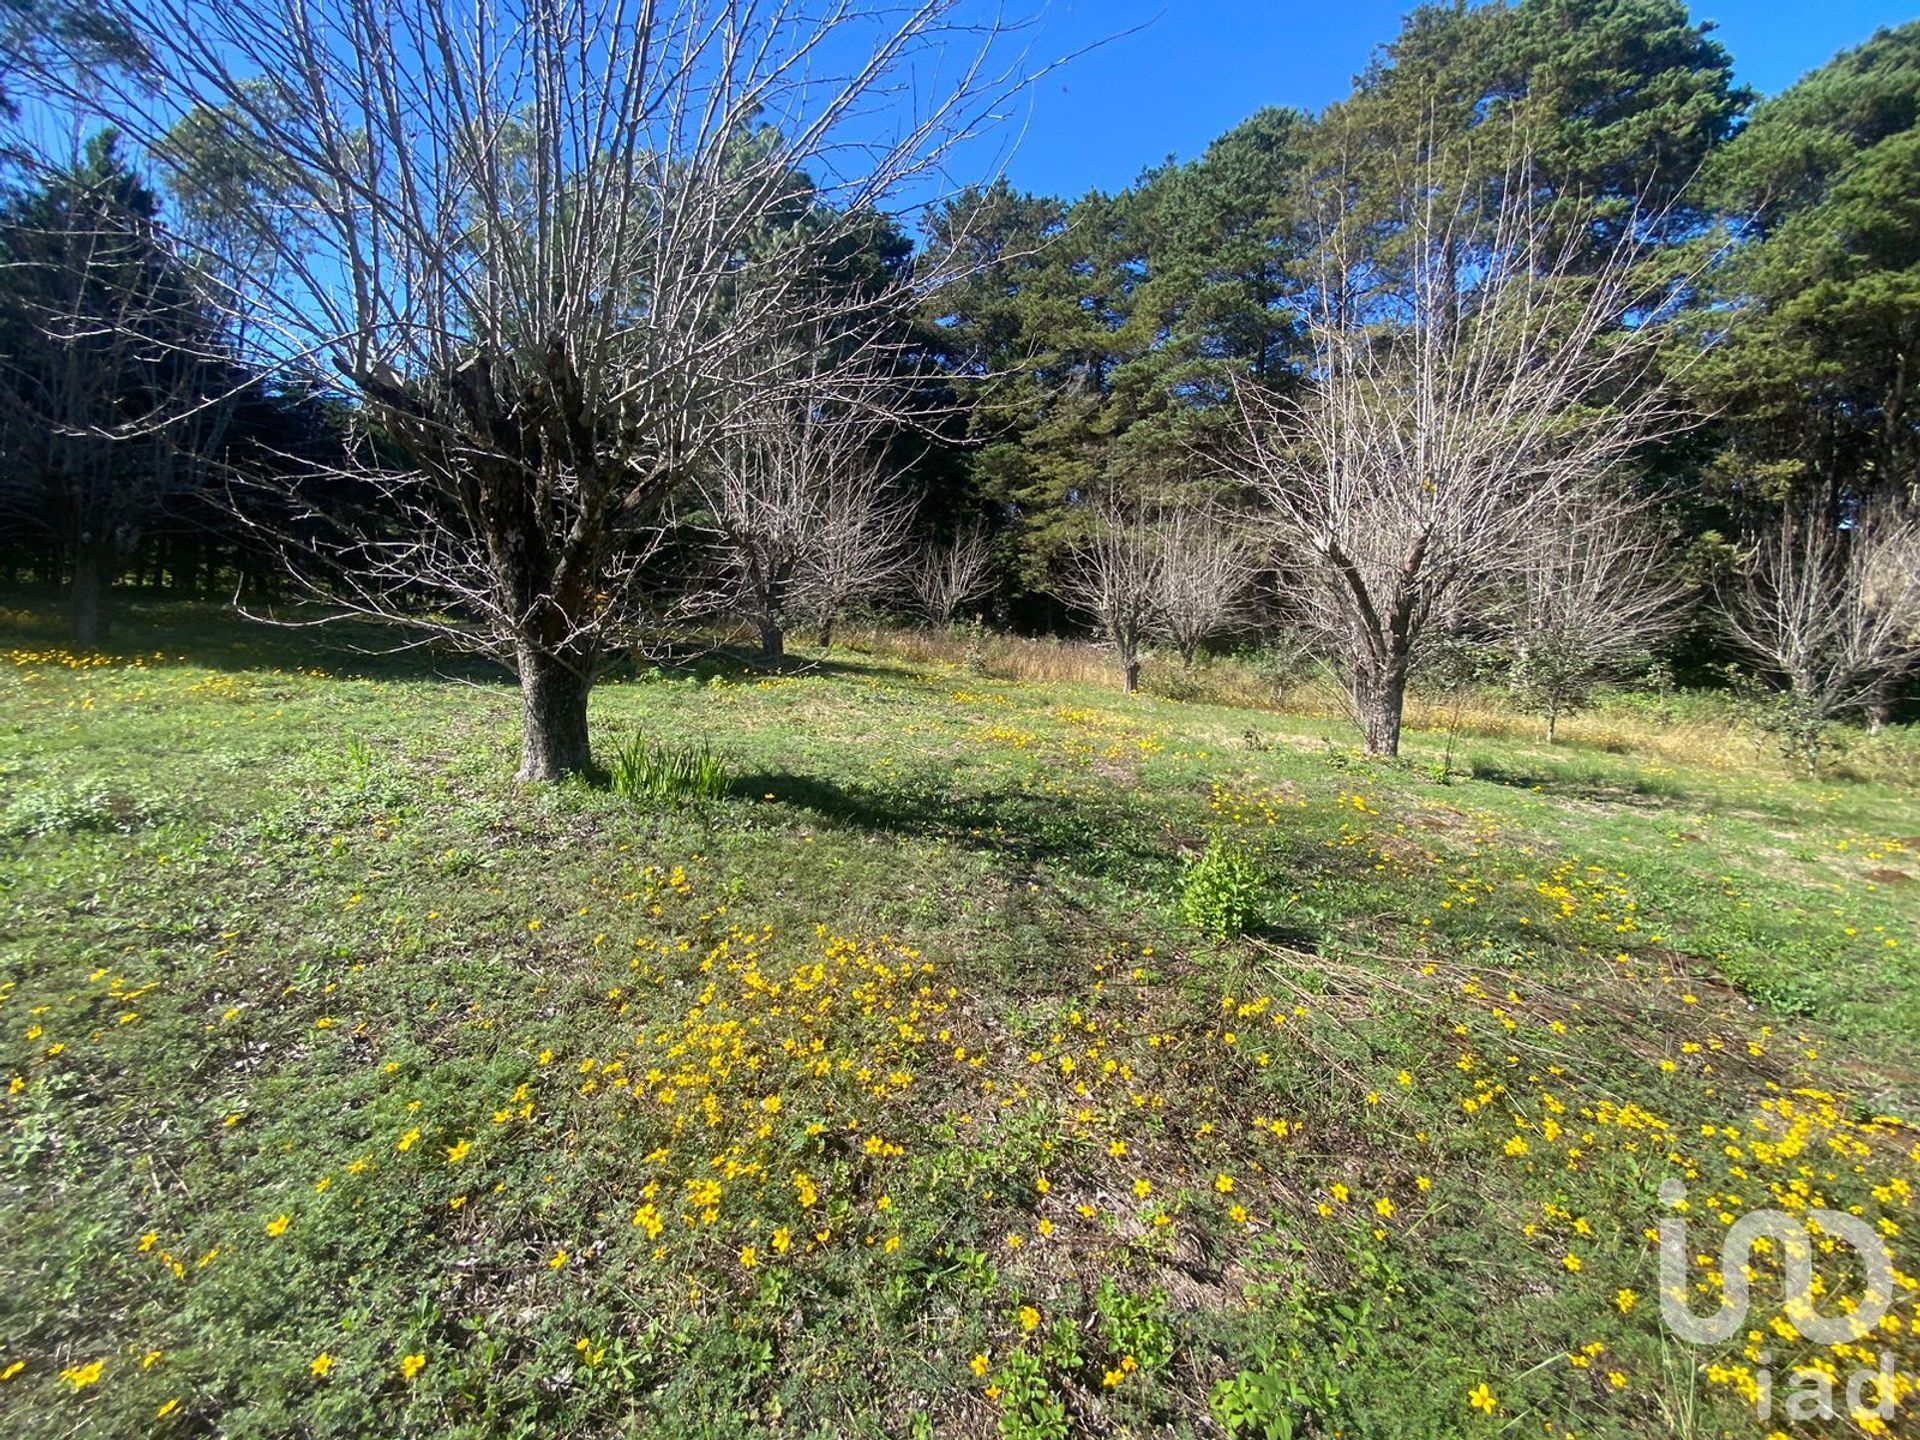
x=1592, y=595
x=1471, y=365
x=949, y=575
x=534, y=245
x=1834, y=610
x=807, y=514
x=1205, y=576
x=860, y=547
x=1113, y=575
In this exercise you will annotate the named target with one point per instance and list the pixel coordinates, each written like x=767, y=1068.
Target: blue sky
x=1191, y=71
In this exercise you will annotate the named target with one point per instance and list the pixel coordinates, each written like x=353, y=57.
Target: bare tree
x=1205, y=576
x=1113, y=575
x=1834, y=610
x=1472, y=363
x=533, y=244
x=806, y=511
x=1592, y=594
x=860, y=545
x=949, y=575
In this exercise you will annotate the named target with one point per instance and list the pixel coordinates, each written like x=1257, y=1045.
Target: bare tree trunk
x=826, y=632
x=553, y=697
x=1380, y=697
x=1553, y=719
x=773, y=640
x=1132, y=673
x=88, y=604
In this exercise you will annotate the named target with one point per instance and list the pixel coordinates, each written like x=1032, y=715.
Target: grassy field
x=350, y=1090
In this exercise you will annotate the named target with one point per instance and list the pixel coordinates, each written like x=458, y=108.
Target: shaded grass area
x=352, y=1090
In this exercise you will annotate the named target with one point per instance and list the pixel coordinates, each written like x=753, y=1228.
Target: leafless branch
x=948, y=575
x=1834, y=610
x=1469, y=370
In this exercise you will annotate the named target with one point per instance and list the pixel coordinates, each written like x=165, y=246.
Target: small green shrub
x=1222, y=893
x=1135, y=1325
x=1029, y=1410
x=662, y=771
x=1257, y=1403
x=1801, y=727
x=975, y=656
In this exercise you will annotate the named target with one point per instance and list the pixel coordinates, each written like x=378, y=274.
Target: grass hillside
x=922, y=1085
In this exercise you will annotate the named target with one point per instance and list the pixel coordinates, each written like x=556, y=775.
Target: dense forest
x=1550, y=352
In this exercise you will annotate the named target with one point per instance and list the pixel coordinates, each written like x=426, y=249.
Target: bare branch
x=950, y=575
x=1471, y=366
x=1834, y=610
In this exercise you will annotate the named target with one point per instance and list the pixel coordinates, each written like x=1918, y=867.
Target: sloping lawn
x=351, y=1090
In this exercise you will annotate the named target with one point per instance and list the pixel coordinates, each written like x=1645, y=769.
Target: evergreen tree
x=1816, y=327
x=110, y=371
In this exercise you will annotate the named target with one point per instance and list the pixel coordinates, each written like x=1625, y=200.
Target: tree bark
x=87, y=602
x=773, y=640
x=1132, y=674
x=1380, y=697
x=826, y=632
x=553, y=696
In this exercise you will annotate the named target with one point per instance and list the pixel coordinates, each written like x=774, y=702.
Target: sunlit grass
x=350, y=1088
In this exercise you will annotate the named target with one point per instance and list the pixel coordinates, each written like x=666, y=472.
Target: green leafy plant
x=1135, y=1325
x=1028, y=1408
x=1257, y=1403
x=1222, y=894
x=79, y=810
x=1800, y=726
x=662, y=771
x=975, y=657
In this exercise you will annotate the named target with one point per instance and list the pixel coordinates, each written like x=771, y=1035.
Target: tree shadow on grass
x=1103, y=841
x=739, y=665
x=1636, y=789
x=214, y=636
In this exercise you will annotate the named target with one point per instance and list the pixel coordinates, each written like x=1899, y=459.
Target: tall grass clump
x=663, y=772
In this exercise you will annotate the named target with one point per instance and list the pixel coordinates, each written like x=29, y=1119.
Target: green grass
x=890, y=1092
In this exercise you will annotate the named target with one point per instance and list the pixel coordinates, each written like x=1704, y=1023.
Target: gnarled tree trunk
x=1379, y=698
x=553, y=696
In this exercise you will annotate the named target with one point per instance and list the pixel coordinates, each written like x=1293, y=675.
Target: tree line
x=552, y=329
